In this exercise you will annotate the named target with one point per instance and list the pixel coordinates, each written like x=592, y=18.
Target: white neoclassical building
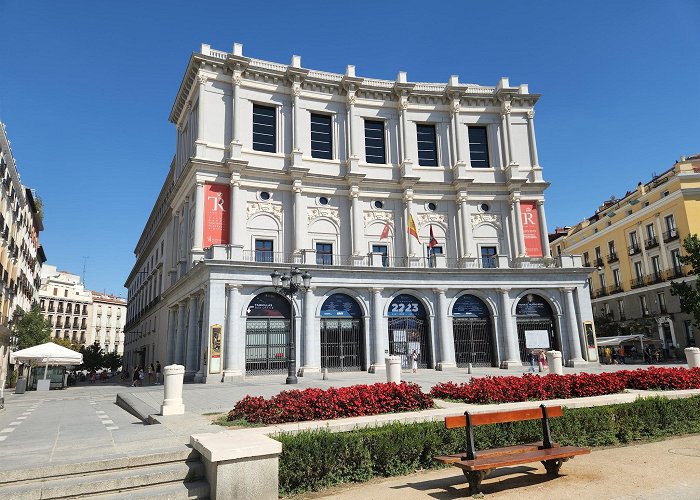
x=417, y=208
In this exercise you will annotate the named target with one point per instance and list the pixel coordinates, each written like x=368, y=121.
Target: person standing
x=151, y=373
x=621, y=355
x=135, y=377
x=414, y=361
x=157, y=372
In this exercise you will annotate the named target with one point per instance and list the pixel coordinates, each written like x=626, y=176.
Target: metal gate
x=407, y=334
x=472, y=341
x=535, y=324
x=266, y=346
x=342, y=346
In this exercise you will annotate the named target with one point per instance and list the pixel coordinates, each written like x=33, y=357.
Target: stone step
x=110, y=481
x=178, y=454
x=169, y=491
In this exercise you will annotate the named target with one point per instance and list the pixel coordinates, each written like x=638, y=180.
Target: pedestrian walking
x=414, y=361
x=151, y=373
x=157, y=372
x=532, y=362
x=621, y=355
x=136, y=378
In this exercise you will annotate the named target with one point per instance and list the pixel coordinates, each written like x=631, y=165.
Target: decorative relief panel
x=372, y=215
x=327, y=212
x=428, y=217
x=256, y=207
x=494, y=219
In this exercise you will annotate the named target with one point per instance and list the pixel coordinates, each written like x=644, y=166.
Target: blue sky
x=86, y=88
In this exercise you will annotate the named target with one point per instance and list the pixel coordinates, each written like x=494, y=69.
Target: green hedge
x=313, y=460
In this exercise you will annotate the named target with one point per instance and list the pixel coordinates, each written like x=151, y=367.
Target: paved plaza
x=83, y=423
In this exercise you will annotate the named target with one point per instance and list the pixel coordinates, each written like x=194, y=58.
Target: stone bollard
x=692, y=354
x=325, y=374
x=554, y=362
x=172, y=384
x=393, y=369
x=469, y=368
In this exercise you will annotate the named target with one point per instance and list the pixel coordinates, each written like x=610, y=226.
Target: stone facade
x=279, y=166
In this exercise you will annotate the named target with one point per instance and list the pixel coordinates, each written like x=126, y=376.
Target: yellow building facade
x=633, y=246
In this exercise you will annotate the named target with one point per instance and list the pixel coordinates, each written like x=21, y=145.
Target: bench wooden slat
x=500, y=417
x=493, y=452
x=521, y=458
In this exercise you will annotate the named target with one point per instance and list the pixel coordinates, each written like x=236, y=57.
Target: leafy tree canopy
x=112, y=360
x=93, y=357
x=66, y=343
x=690, y=294
x=31, y=328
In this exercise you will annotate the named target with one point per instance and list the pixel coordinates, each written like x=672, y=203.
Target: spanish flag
x=385, y=231
x=412, y=228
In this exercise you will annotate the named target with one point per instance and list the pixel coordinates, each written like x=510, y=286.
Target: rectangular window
x=656, y=266
x=676, y=263
x=264, y=128
x=488, y=257
x=611, y=247
x=263, y=251
x=651, y=234
x=586, y=260
x=436, y=250
x=375, y=149
x=382, y=249
x=324, y=254
x=670, y=223
x=638, y=270
x=427, y=145
x=689, y=331
x=603, y=282
x=478, y=147
x=621, y=309
x=661, y=299
x=616, y=277
x=321, y=137
x=606, y=308
x=643, y=305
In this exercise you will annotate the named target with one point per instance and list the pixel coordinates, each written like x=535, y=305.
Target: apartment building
x=108, y=314
x=66, y=304
x=634, y=244
x=416, y=208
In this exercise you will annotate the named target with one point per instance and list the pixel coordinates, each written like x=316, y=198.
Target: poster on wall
x=531, y=229
x=215, y=346
x=537, y=339
x=589, y=330
x=216, y=215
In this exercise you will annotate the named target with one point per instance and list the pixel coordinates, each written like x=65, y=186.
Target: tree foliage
x=66, y=343
x=31, y=328
x=690, y=294
x=93, y=357
x=112, y=360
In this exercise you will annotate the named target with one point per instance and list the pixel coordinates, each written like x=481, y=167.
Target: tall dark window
x=427, y=145
x=375, y=151
x=324, y=254
x=264, y=128
x=488, y=257
x=263, y=251
x=321, y=137
x=478, y=147
x=382, y=249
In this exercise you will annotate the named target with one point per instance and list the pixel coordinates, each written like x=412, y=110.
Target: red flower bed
x=532, y=387
x=318, y=404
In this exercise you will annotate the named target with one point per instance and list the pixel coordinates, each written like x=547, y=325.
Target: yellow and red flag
x=412, y=228
x=385, y=231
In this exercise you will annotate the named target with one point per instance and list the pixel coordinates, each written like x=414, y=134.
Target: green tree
x=93, y=357
x=31, y=328
x=690, y=294
x=112, y=360
x=66, y=343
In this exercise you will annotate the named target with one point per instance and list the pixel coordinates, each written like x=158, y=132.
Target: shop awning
x=607, y=341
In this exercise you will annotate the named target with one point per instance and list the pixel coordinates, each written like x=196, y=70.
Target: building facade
x=418, y=209
x=108, y=314
x=21, y=254
x=66, y=304
x=634, y=244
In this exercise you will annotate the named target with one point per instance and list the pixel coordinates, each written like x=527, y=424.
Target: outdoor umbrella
x=47, y=354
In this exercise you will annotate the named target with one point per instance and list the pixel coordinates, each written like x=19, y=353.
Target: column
x=202, y=79
x=643, y=247
x=454, y=122
x=192, y=357
x=531, y=137
x=403, y=106
x=184, y=250
x=662, y=245
x=505, y=112
x=380, y=346
x=234, y=214
x=511, y=335
x=411, y=242
x=174, y=253
x=518, y=237
x=235, y=147
x=544, y=236
x=447, y=345
x=350, y=105
x=232, y=335
x=357, y=226
x=466, y=226
x=299, y=225
x=459, y=229
x=180, y=335
x=574, y=336
x=296, y=92
x=198, y=217
x=311, y=340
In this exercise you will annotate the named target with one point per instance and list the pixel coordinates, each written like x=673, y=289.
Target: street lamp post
x=288, y=285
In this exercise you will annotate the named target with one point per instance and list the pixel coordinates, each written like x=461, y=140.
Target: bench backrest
x=500, y=417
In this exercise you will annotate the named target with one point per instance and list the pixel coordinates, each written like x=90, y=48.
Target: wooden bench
x=476, y=466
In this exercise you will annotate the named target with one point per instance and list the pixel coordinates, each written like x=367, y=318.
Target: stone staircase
x=168, y=475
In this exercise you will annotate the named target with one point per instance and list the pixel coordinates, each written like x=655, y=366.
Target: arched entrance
x=471, y=327
x=408, y=330
x=267, y=334
x=535, y=326
x=342, y=343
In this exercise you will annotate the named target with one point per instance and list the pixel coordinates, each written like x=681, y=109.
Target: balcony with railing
x=598, y=262
x=638, y=282
x=670, y=235
x=612, y=257
x=615, y=289
x=652, y=242
x=655, y=277
x=600, y=292
x=676, y=272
